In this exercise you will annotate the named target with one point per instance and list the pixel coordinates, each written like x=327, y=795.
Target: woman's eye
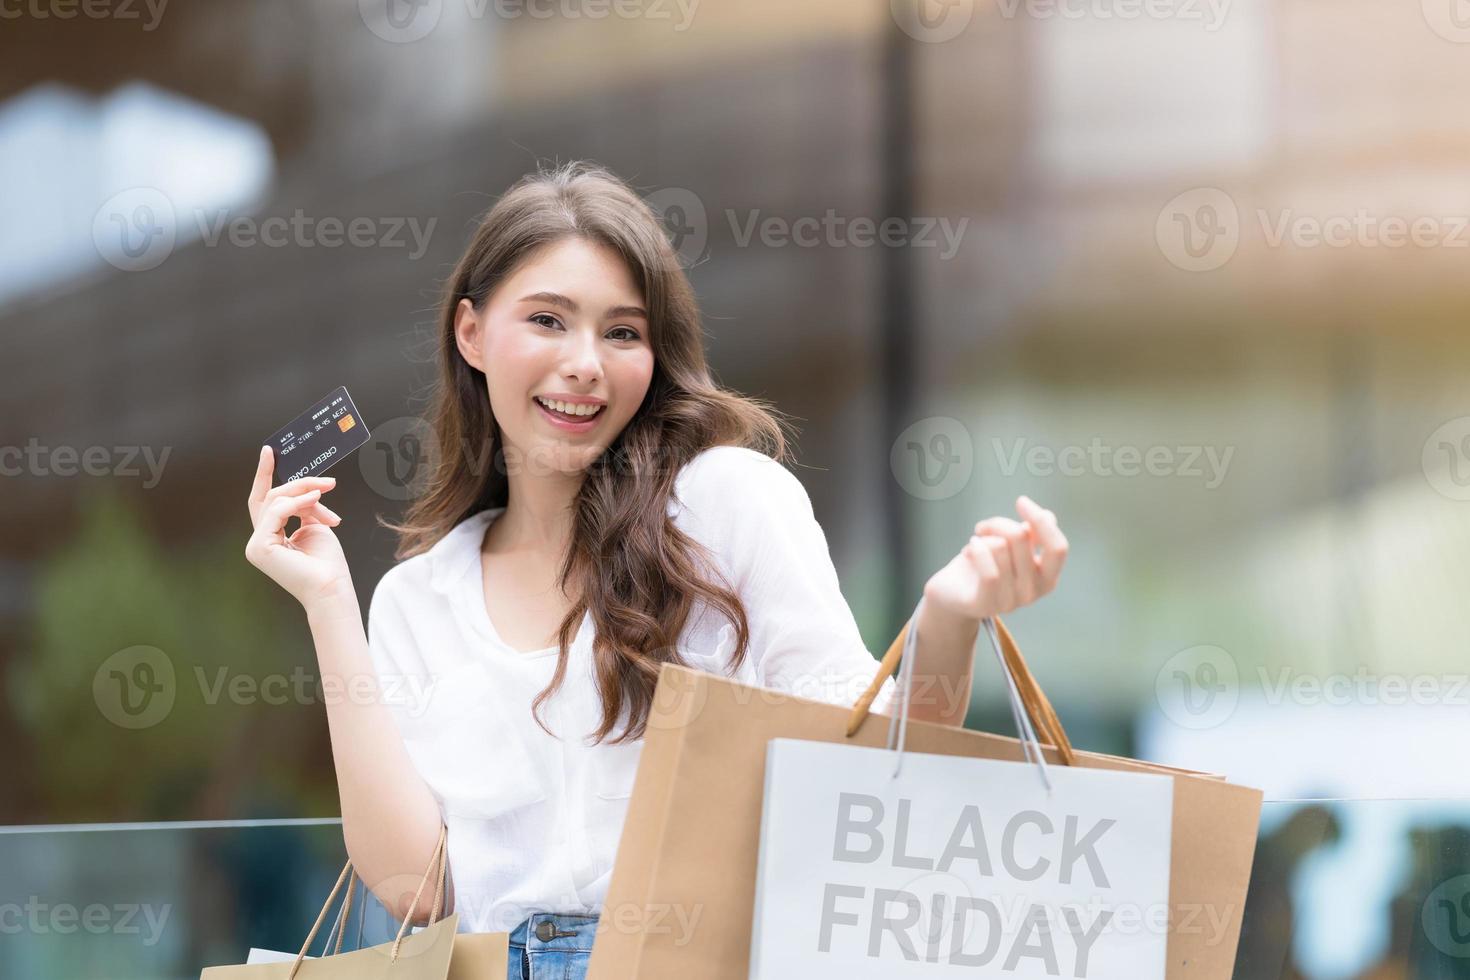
x=628, y=333
x=541, y=318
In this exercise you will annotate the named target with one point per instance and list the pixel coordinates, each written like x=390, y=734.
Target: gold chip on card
x=345, y=423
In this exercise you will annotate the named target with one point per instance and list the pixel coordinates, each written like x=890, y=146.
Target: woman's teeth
x=567, y=408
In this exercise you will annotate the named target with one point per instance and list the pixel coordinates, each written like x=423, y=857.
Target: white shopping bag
x=874, y=863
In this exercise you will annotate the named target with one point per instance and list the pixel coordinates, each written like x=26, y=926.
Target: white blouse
x=534, y=819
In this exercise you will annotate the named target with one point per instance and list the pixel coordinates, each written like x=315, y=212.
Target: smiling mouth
x=569, y=413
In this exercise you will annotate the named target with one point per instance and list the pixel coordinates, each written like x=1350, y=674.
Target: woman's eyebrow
x=566, y=303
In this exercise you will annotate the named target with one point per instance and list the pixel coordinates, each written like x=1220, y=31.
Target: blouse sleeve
x=757, y=520
x=402, y=675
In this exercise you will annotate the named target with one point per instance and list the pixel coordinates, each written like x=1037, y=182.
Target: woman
x=599, y=507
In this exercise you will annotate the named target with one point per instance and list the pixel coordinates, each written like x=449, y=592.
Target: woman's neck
x=538, y=514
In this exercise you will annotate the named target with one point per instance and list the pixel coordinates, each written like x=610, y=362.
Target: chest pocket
x=470, y=756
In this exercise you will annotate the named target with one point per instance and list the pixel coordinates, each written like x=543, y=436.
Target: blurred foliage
x=222, y=749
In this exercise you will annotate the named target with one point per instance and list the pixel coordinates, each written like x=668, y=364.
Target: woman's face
x=567, y=332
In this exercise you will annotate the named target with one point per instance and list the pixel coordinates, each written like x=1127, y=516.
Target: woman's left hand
x=1006, y=564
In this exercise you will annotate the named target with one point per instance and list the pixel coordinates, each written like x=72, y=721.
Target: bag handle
x=1038, y=707
x=348, y=875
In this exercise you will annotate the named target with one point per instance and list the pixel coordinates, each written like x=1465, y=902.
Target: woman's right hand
x=309, y=564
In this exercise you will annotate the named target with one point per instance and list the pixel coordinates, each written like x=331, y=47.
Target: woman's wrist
x=335, y=601
x=942, y=622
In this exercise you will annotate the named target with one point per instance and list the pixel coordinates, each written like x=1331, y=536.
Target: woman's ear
x=468, y=333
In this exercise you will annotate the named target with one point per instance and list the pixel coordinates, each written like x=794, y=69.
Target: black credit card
x=323, y=436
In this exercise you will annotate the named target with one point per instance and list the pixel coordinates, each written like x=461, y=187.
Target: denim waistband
x=571, y=932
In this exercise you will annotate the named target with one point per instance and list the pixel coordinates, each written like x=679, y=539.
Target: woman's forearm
x=390, y=819
x=943, y=666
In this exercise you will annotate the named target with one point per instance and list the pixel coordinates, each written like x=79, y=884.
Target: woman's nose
x=582, y=359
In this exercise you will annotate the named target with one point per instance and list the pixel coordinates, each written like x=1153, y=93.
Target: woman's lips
x=566, y=422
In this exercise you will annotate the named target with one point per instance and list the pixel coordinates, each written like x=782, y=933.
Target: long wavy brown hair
x=627, y=564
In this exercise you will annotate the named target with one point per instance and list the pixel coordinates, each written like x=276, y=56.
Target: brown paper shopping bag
x=435, y=952
x=681, y=899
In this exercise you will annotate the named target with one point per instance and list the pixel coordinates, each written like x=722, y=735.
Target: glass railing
x=1360, y=889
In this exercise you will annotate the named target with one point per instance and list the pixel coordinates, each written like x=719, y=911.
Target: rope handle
x=439, y=858
x=1038, y=708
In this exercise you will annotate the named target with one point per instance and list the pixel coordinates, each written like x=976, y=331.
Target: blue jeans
x=563, y=956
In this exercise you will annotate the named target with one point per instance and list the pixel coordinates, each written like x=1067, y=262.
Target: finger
x=1052, y=542
x=277, y=512
x=1023, y=564
x=986, y=569
x=996, y=525
x=300, y=485
x=1002, y=590
x=322, y=514
x=265, y=466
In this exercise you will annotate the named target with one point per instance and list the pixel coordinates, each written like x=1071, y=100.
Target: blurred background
x=1188, y=272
